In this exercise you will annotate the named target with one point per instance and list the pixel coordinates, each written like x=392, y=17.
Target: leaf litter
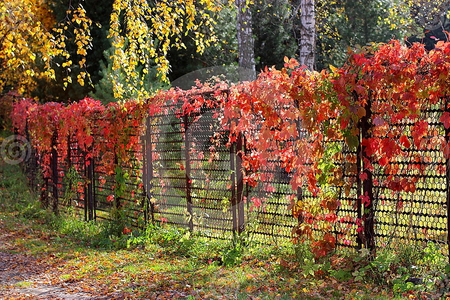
x=36, y=263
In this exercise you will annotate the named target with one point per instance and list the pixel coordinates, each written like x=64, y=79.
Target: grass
x=24, y=284
x=165, y=261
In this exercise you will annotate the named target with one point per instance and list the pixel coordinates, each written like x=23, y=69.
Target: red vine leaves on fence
x=293, y=119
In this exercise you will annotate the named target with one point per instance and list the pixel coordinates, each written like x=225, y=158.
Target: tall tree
x=142, y=32
x=429, y=14
x=355, y=23
x=26, y=44
x=104, y=89
x=223, y=52
x=100, y=17
x=307, y=43
x=273, y=32
x=247, y=71
x=272, y=29
x=37, y=48
x=431, y=17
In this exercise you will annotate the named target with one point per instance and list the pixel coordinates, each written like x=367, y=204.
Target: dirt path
x=23, y=276
x=26, y=277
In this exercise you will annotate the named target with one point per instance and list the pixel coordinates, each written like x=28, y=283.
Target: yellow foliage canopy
x=30, y=39
x=26, y=43
x=142, y=34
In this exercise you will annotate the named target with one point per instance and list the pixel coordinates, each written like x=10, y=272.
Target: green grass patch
x=166, y=259
x=24, y=284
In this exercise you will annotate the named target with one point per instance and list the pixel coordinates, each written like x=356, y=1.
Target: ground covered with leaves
x=43, y=256
x=45, y=265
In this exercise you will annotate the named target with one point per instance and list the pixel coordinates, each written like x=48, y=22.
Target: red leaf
x=399, y=205
x=126, y=231
x=419, y=130
x=445, y=119
x=383, y=161
x=404, y=141
x=256, y=201
x=290, y=63
x=378, y=121
x=365, y=199
x=390, y=148
x=363, y=176
x=371, y=145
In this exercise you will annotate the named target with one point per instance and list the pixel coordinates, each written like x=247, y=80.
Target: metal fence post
x=31, y=165
x=147, y=174
x=359, y=167
x=91, y=187
x=239, y=184
x=233, y=187
x=447, y=177
x=188, y=179
x=54, y=168
x=69, y=186
x=89, y=196
x=367, y=185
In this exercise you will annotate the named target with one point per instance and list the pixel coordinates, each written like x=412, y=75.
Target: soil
x=23, y=276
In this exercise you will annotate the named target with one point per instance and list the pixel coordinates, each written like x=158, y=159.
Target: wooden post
x=447, y=178
x=86, y=178
x=237, y=186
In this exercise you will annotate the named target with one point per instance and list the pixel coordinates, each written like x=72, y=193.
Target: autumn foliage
x=328, y=130
x=35, y=47
x=27, y=44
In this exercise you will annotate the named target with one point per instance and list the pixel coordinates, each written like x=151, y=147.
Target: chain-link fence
x=189, y=175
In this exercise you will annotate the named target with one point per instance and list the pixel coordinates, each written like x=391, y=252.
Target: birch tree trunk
x=307, y=44
x=246, y=50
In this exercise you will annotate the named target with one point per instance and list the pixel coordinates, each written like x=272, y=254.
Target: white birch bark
x=247, y=70
x=307, y=45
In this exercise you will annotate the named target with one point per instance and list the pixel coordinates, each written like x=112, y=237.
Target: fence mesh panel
x=187, y=174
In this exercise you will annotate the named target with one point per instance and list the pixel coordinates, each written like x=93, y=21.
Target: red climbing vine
x=328, y=130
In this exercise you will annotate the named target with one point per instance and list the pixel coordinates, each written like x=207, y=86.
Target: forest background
x=62, y=51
